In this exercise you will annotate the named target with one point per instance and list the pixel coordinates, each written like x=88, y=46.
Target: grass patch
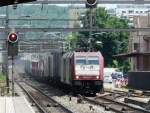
x=2, y=77
x=125, y=87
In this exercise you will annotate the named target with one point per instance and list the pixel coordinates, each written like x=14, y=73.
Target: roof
x=87, y=53
x=132, y=54
x=11, y=2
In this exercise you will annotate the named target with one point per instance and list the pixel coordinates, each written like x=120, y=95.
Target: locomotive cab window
x=80, y=60
x=93, y=60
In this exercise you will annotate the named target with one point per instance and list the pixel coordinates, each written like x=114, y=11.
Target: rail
x=118, y=107
x=30, y=96
x=48, y=98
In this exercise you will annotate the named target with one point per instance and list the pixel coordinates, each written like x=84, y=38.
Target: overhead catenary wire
x=83, y=2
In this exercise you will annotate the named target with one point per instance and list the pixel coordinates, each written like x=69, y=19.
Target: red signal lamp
x=12, y=38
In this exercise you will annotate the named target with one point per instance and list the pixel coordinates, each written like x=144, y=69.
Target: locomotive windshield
x=81, y=60
x=90, y=60
x=93, y=60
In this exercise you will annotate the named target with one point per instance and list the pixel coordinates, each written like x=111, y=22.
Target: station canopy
x=10, y=2
x=32, y=16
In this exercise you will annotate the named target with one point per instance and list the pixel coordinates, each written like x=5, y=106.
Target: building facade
x=139, y=44
x=74, y=15
x=131, y=10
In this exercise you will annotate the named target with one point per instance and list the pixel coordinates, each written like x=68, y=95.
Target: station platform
x=15, y=105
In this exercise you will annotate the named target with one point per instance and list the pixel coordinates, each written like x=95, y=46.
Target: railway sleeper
x=135, y=102
x=52, y=105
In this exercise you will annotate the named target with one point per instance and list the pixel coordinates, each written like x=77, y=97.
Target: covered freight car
x=39, y=66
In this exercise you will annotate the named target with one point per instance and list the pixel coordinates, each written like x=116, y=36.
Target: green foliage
x=115, y=63
x=70, y=37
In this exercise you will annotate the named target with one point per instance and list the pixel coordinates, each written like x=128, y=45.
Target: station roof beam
x=11, y=2
x=98, y=2
x=76, y=29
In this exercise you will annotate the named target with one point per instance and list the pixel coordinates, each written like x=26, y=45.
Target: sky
x=103, y=5
x=108, y=5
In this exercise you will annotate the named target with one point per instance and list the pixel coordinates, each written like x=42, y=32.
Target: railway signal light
x=91, y=3
x=12, y=38
x=15, y=4
x=12, y=42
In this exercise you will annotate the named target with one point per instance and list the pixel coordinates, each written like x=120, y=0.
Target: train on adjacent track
x=80, y=72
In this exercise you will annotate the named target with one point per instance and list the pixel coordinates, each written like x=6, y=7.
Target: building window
x=130, y=11
x=136, y=46
x=123, y=11
x=141, y=11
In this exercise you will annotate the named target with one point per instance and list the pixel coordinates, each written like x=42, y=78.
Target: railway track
x=136, y=93
x=44, y=103
x=113, y=105
x=130, y=93
x=107, y=101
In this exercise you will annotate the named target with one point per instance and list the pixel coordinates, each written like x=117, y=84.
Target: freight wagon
x=80, y=72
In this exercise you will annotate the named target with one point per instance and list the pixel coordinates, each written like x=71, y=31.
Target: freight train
x=80, y=72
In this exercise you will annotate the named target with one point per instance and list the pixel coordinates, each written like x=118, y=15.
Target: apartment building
x=132, y=10
x=128, y=11
x=139, y=44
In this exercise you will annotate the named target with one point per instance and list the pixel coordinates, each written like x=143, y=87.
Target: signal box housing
x=12, y=44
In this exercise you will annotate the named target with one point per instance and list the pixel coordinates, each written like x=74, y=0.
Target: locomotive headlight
x=77, y=77
x=97, y=77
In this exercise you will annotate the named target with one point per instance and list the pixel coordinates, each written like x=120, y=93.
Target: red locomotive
x=83, y=71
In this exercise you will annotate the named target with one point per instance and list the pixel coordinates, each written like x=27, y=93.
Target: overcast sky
x=65, y=5
x=103, y=5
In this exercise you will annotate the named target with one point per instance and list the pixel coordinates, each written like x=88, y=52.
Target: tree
x=113, y=42
x=71, y=39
